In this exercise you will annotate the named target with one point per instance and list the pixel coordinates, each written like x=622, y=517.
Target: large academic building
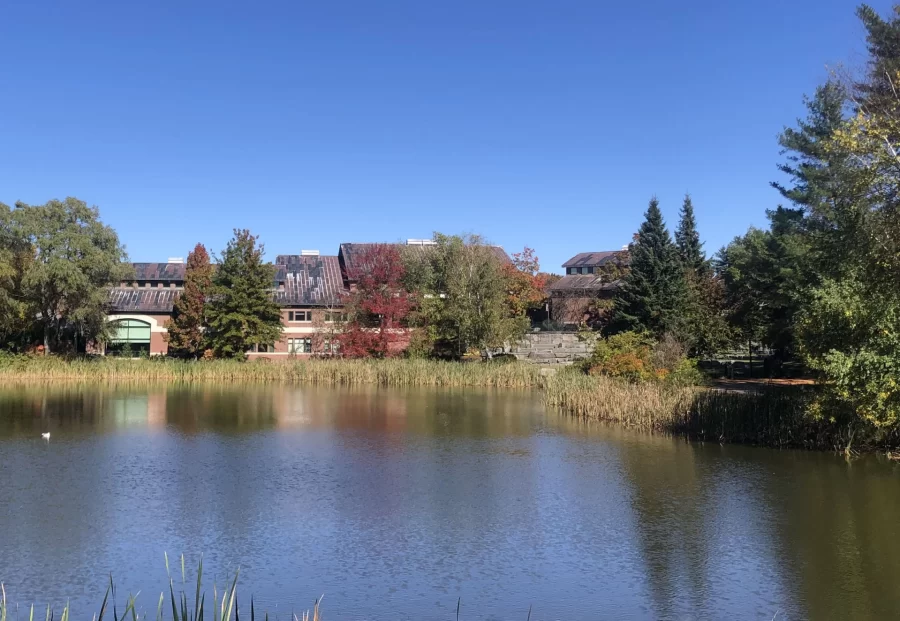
x=311, y=289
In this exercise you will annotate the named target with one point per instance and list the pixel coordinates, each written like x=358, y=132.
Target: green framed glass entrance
x=129, y=337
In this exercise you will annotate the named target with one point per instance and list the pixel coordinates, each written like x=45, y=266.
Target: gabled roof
x=308, y=280
x=159, y=271
x=350, y=253
x=596, y=259
x=588, y=283
x=143, y=299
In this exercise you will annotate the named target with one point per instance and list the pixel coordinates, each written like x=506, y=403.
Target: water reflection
x=399, y=502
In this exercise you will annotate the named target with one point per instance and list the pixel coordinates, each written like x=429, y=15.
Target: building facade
x=590, y=278
x=312, y=290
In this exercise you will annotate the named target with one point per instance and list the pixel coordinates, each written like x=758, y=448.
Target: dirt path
x=755, y=385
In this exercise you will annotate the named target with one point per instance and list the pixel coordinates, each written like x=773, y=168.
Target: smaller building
x=140, y=308
x=590, y=277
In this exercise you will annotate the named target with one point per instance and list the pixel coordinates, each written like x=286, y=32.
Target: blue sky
x=548, y=124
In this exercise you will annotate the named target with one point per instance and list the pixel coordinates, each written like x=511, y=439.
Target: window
x=300, y=316
x=572, y=270
x=587, y=270
x=300, y=346
x=332, y=317
x=130, y=337
x=331, y=347
x=262, y=349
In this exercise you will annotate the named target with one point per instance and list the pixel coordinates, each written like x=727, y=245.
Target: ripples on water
x=396, y=503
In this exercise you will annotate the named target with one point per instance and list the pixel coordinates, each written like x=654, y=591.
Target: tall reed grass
x=224, y=609
x=771, y=416
x=394, y=372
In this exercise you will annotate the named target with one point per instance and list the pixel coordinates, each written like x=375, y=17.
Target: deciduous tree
x=60, y=260
x=525, y=281
x=378, y=308
x=764, y=277
x=463, y=290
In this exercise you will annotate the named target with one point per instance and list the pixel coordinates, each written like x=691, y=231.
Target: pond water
x=400, y=503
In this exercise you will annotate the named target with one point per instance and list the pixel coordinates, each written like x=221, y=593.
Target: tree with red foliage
x=185, y=329
x=379, y=306
x=525, y=282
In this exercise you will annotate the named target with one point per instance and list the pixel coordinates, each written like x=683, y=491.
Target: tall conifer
x=242, y=311
x=185, y=335
x=652, y=294
x=687, y=239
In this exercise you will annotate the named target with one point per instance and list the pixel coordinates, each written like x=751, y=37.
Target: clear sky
x=548, y=124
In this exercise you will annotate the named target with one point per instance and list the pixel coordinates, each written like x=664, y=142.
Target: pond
x=400, y=503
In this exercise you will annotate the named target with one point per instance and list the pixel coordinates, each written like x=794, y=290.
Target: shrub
x=636, y=357
x=626, y=355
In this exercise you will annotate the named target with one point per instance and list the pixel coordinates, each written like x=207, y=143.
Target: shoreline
x=773, y=416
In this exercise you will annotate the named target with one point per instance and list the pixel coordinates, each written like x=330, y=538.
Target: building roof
x=159, y=271
x=596, y=259
x=587, y=283
x=143, y=299
x=308, y=280
x=350, y=253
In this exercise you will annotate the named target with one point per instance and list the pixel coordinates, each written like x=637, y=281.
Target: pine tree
x=652, y=294
x=878, y=88
x=242, y=311
x=687, y=239
x=185, y=335
x=703, y=327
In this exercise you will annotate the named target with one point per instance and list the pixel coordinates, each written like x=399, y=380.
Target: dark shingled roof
x=143, y=299
x=159, y=271
x=588, y=283
x=308, y=281
x=350, y=253
x=596, y=259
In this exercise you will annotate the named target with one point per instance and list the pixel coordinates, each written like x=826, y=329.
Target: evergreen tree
x=687, y=239
x=879, y=87
x=185, y=335
x=653, y=292
x=242, y=311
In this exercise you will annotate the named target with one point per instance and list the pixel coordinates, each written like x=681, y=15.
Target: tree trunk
x=46, y=338
x=750, y=349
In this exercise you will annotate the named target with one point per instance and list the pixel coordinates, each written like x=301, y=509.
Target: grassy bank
x=778, y=417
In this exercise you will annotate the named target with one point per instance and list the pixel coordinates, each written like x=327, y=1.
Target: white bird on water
x=46, y=436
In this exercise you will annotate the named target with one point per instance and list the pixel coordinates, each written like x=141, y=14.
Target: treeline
x=822, y=283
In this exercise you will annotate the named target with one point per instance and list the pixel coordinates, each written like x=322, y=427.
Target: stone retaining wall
x=553, y=348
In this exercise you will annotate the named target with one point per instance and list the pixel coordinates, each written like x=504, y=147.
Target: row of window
x=299, y=346
x=305, y=316
x=579, y=270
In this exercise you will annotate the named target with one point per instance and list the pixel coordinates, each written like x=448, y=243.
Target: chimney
x=176, y=259
x=309, y=253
